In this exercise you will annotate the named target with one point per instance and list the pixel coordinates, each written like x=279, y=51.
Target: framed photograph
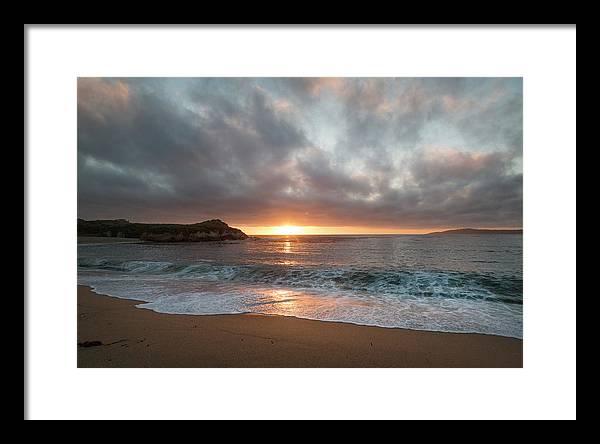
x=341, y=207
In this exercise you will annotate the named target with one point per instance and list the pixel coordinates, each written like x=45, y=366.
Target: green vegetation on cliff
x=214, y=229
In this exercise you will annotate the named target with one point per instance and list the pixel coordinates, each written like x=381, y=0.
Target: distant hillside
x=478, y=231
x=204, y=231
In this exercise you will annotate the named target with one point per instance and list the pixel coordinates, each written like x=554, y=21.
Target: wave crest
x=401, y=282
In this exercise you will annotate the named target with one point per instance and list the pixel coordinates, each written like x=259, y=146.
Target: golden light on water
x=287, y=247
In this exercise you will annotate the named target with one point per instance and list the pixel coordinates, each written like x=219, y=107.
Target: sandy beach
x=135, y=337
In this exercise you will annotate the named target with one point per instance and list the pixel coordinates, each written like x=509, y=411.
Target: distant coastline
x=477, y=231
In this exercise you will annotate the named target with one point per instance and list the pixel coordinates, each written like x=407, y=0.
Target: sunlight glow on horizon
x=288, y=230
x=298, y=230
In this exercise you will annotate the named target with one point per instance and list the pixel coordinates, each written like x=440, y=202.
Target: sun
x=288, y=230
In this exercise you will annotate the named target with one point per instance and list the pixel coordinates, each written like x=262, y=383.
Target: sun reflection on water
x=287, y=247
x=284, y=299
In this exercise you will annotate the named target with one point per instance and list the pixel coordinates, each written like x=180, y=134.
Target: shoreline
x=96, y=240
x=332, y=321
x=133, y=337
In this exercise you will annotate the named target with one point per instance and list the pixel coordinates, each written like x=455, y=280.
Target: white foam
x=447, y=315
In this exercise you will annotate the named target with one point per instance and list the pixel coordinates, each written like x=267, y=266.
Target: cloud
x=440, y=166
x=316, y=151
x=313, y=87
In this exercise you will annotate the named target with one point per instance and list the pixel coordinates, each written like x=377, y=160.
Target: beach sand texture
x=134, y=337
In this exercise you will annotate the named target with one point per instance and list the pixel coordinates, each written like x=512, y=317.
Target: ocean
x=450, y=283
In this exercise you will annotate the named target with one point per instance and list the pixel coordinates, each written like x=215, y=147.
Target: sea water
x=452, y=283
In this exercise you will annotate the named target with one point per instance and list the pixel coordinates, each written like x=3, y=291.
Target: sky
x=332, y=155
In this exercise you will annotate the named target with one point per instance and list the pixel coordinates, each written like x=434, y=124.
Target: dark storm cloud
x=379, y=152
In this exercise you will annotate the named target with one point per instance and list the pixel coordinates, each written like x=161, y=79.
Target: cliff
x=210, y=230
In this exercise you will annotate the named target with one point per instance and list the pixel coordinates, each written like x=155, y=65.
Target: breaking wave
x=401, y=282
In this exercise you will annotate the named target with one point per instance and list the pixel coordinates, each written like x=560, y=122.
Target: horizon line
x=308, y=230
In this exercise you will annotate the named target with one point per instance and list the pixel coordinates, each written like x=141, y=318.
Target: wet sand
x=113, y=332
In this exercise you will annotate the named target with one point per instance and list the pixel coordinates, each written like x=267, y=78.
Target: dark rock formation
x=210, y=230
